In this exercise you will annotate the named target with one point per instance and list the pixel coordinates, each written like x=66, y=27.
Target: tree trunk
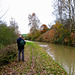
x=70, y=15
x=74, y=13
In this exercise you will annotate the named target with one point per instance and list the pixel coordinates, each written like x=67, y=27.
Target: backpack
x=21, y=43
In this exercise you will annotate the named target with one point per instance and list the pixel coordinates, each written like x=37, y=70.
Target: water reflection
x=64, y=55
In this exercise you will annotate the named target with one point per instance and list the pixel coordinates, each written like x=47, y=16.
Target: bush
x=7, y=35
x=73, y=38
x=40, y=39
x=8, y=54
x=64, y=39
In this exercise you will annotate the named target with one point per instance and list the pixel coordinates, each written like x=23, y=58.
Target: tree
x=73, y=16
x=7, y=34
x=43, y=28
x=14, y=25
x=34, y=24
x=65, y=10
x=58, y=6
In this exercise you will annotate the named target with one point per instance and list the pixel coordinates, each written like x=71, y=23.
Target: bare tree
x=65, y=11
x=74, y=14
x=33, y=23
x=14, y=25
x=58, y=6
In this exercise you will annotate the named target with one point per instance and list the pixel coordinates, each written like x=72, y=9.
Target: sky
x=20, y=9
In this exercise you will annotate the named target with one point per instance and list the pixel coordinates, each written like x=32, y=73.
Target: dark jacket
x=18, y=42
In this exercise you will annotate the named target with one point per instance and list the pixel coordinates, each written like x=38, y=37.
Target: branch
x=4, y=13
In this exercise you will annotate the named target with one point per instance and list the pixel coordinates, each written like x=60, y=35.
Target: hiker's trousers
x=19, y=53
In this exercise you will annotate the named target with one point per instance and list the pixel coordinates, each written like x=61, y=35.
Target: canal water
x=64, y=55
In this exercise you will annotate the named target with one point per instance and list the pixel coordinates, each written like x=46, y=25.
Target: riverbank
x=58, y=37
x=37, y=62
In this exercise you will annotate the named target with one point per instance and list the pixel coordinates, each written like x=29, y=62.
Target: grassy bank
x=41, y=62
x=37, y=62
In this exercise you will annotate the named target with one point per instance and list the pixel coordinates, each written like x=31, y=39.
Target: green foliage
x=41, y=39
x=33, y=36
x=62, y=35
x=25, y=35
x=73, y=38
x=7, y=35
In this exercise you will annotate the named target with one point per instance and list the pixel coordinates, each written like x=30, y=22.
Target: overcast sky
x=20, y=9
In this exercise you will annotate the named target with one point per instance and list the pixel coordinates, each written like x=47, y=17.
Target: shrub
x=41, y=39
x=7, y=35
x=7, y=54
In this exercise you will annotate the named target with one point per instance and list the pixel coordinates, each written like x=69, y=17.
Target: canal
x=64, y=55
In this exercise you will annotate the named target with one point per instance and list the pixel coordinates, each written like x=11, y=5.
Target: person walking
x=20, y=44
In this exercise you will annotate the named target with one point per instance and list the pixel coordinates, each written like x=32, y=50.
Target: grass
x=25, y=35
x=37, y=62
x=41, y=61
